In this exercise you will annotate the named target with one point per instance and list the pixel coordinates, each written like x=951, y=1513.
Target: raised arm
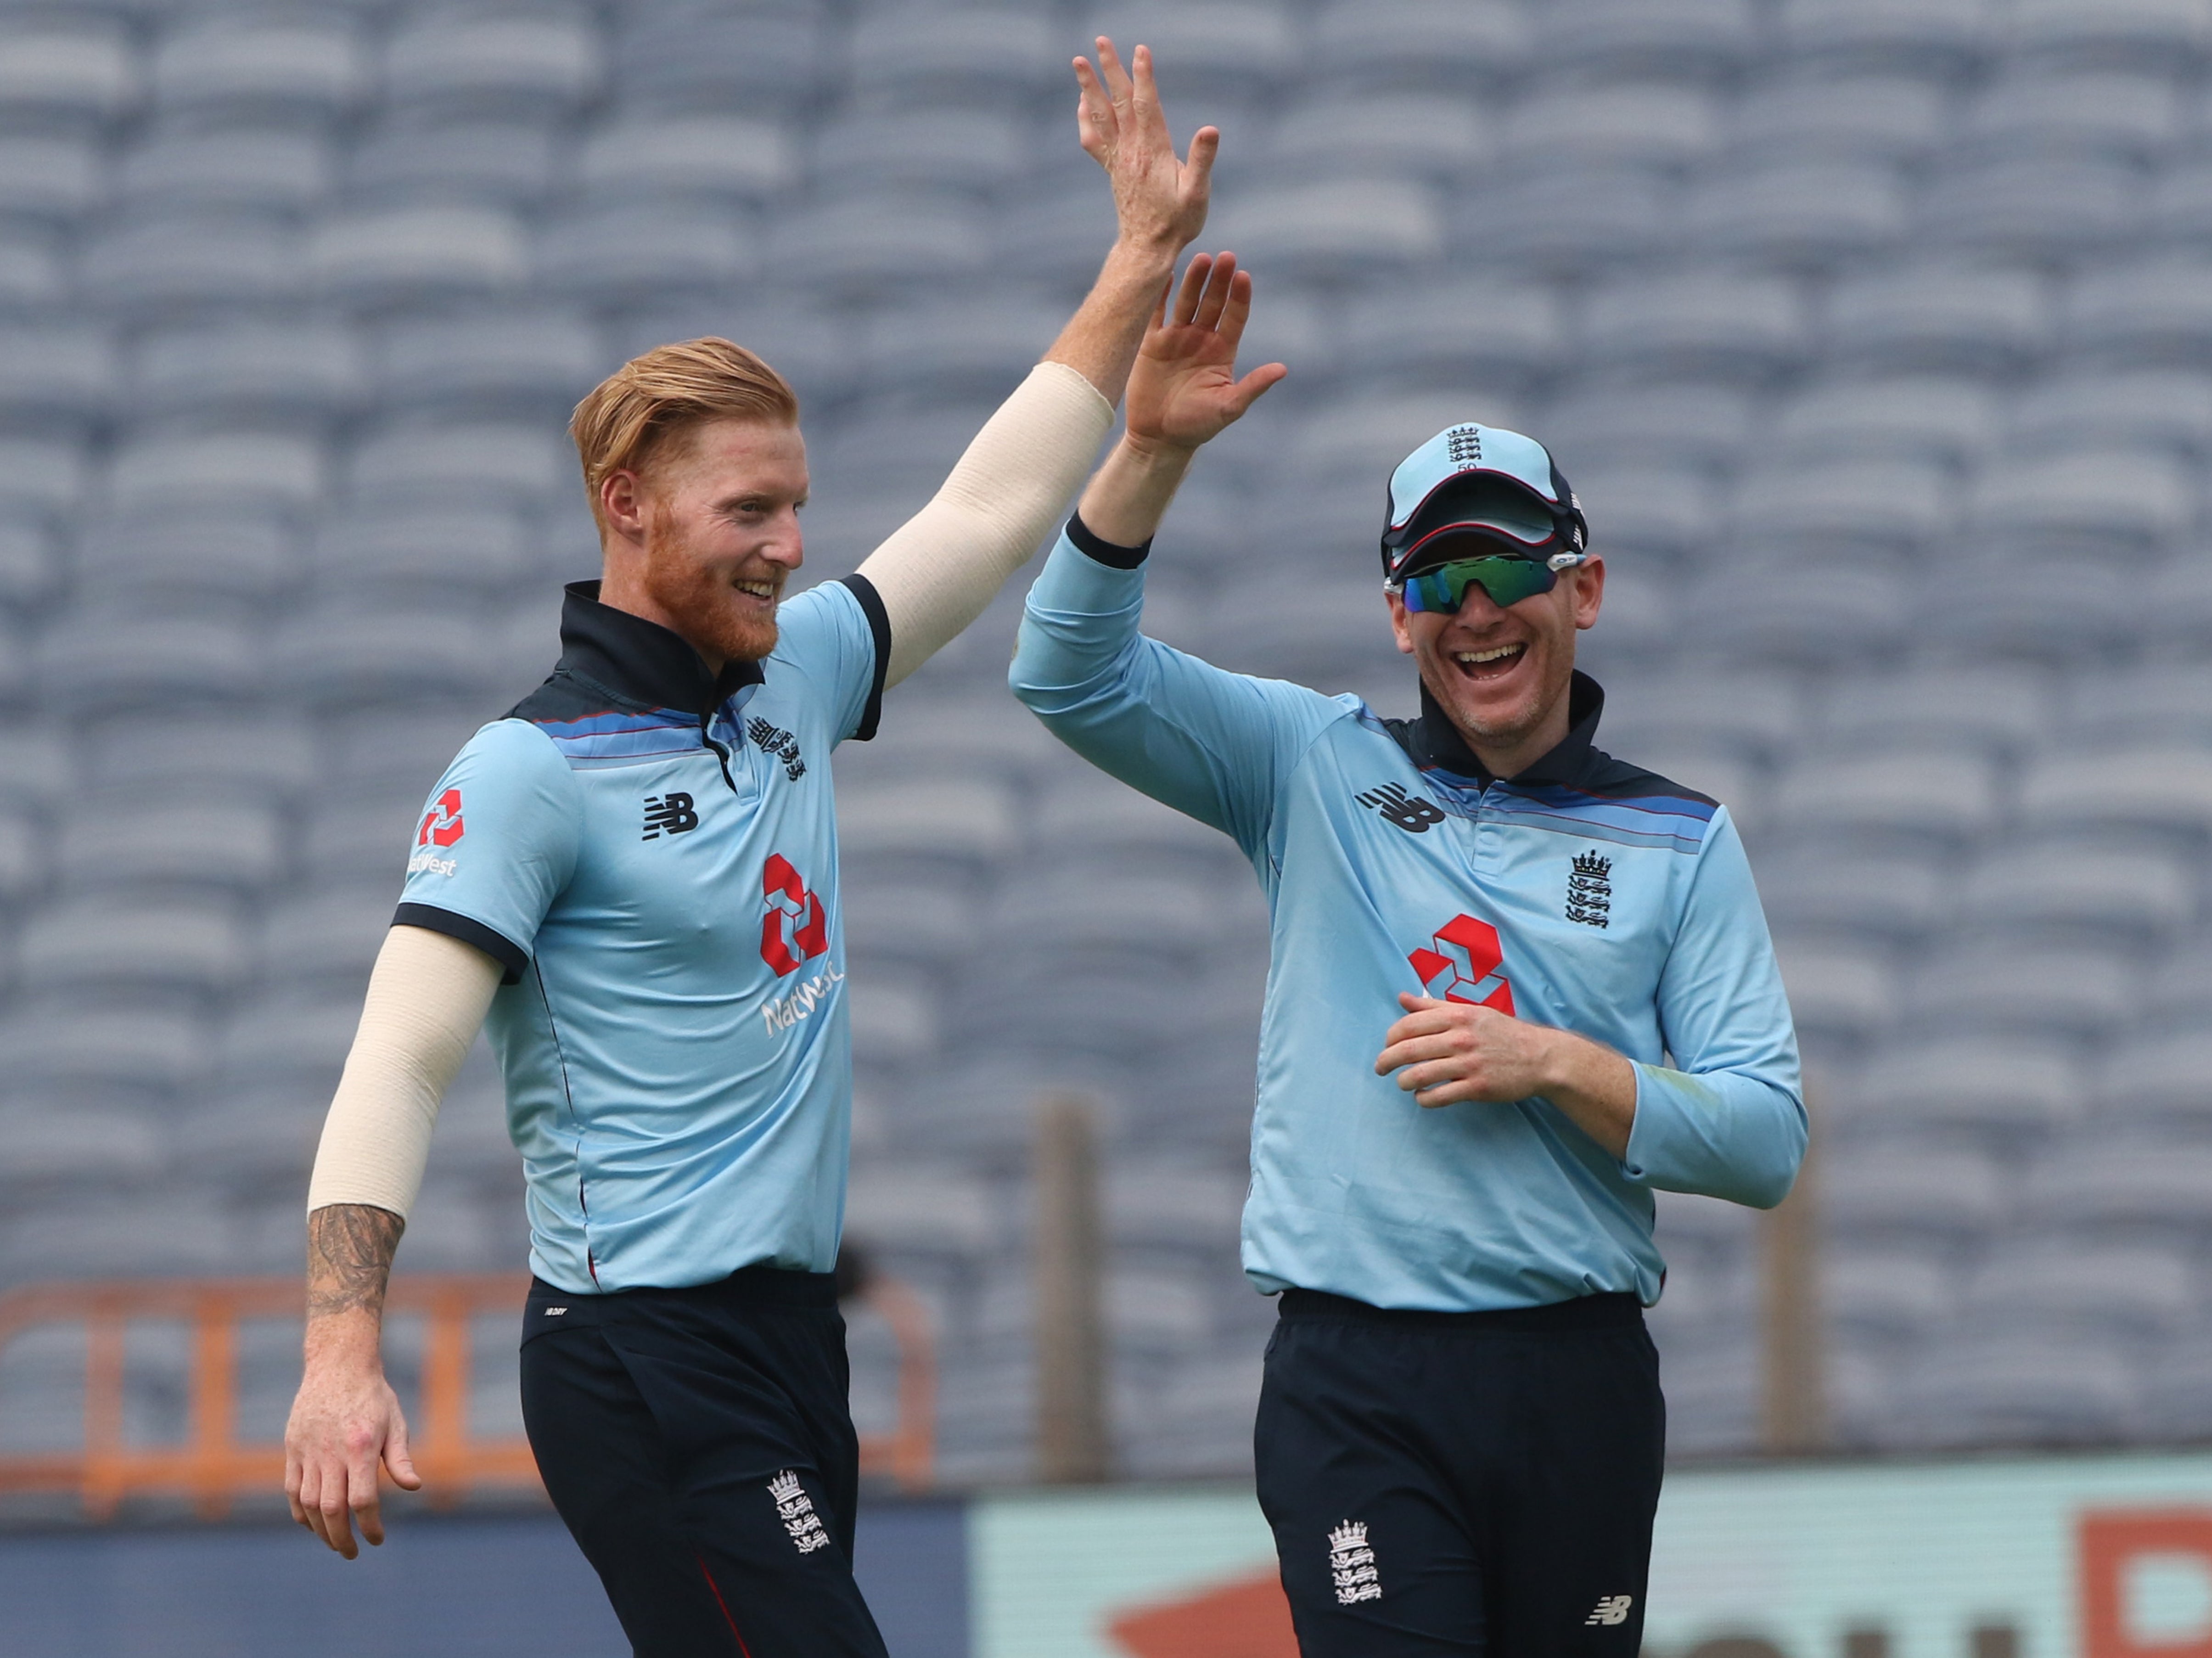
x=939, y=570
x=427, y=999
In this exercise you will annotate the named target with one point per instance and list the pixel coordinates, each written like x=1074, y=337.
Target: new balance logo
x=780, y=744
x=668, y=814
x=1613, y=1609
x=556, y=1312
x=796, y=1509
x=1408, y=811
x=1590, y=891
x=1351, y=1564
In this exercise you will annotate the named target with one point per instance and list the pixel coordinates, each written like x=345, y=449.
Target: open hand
x=1159, y=200
x=345, y=1421
x=1184, y=389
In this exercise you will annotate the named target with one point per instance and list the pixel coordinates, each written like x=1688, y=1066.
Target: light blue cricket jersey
x=650, y=852
x=1584, y=894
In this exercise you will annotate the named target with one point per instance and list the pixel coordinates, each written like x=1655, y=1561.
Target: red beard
x=716, y=620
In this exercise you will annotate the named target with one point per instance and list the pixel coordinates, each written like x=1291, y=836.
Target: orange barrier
x=213, y=1468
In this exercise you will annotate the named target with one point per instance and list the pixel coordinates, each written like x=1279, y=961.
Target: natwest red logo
x=1467, y=965
x=796, y=925
x=441, y=825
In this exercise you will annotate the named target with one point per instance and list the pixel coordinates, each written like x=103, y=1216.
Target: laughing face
x=1502, y=674
x=702, y=539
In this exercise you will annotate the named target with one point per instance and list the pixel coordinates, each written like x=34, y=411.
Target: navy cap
x=1482, y=480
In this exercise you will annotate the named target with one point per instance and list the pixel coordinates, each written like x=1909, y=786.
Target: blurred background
x=1877, y=335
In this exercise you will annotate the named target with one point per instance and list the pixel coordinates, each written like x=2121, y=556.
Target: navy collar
x=641, y=661
x=1439, y=743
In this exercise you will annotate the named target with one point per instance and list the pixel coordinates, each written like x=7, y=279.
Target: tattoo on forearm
x=350, y=1248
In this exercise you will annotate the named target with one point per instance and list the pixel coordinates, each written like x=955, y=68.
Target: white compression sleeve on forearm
x=941, y=568
x=427, y=999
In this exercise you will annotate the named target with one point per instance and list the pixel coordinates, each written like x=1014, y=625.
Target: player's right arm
x=1208, y=742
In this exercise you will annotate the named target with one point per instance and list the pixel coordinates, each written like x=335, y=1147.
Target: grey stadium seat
x=695, y=54
x=290, y=1040
x=2110, y=1290
x=174, y=259
x=228, y=67
x=897, y=1024
x=171, y=837
x=809, y=345
x=2004, y=1086
x=107, y=943
x=501, y=163
x=923, y=1209
x=1669, y=509
x=276, y=169
x=31, y=270
x=1687, y=38
x=415, y=254
x=1980, y=320
x=1919, y=37
x=2077, y=989
x=336, y=652
x=2088, y=889
x=528, y=60
x=1707, y=324
x=185, y=558
x=1900, y=1189
x=359, y=838
x=115, y=1236
x=1831, y=118
x=1886, y=506
x=1704, y=704
x=971, y=152
x=626, y=253
x=1797, y=612
x=1798, y=210
x=276, y=368
x=404, y=549
x=2176, y=1399
x=2139, y=1187
x=1841, y=992
x=1995, y=602
x=30, y=564
x=1455, y=333
x=972, y=346
x=2007, y=709
x=1115, y=827
x=1918, y=417
x=1338, y=229
x=56, y=177
x=534, y=361
x=1643, y=124
x=2132, y=117
x=2180, y=605
x=1432, y=137
x=2123, y=500
x=957, y=822
x=97, y=657
x=2164, y=787
x=890, y=242
x=2034, y=207
x=727, y=158
x=2159, y=1077
x=2162, y=408
x=2154, y=702
x=2026, y=1388
x=1666, y=422
x=235, y=470
x=1888, y=1293
x=331, y=935
x=2156, y=313
x=72, y=73
x=46, y=477
x=1212, y=53
x=86, y=1146
x=57, y=370
x=479, y=462
x=992, y=57
x=2148, y=34
x=1936, y=794
x=264, y=756
x=1450, y=44
x=1558, y=215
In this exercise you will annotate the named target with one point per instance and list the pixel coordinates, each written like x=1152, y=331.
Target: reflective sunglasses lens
x=1507, y=580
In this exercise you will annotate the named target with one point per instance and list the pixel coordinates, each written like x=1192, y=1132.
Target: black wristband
x=1088, y=543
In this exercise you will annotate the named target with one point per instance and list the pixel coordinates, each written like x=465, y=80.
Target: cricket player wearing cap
x=1516, y=985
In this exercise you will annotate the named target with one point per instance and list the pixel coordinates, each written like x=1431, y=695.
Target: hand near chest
x=1448, y=1052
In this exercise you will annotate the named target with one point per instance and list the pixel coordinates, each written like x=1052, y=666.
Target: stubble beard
x=705, y=607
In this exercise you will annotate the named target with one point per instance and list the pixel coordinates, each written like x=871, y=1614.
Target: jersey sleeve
x=1728, y=1121
x=837, y=637
x=1213, y=744
x=495, y=844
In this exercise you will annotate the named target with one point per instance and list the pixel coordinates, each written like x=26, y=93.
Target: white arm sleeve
x=427, y=999
x=941, y=568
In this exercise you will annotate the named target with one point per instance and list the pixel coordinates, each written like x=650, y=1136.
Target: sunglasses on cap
x=1507, y=578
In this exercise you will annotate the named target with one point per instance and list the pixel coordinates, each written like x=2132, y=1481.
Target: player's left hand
x=1160, y=201
x=1184, y=391
x=1455, y=1052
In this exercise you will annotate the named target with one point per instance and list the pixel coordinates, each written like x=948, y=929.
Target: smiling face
x=1503, y=675
x=702, y=539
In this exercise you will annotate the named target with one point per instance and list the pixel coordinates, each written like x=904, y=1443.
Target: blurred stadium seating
x=1877, y=334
